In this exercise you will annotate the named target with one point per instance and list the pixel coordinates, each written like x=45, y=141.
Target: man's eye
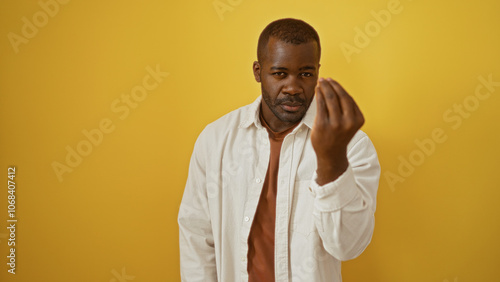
x=279, y=73
x=307, y=74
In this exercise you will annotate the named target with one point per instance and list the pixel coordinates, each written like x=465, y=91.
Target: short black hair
x=288, y=30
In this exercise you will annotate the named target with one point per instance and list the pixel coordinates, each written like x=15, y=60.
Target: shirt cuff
x=336, y=194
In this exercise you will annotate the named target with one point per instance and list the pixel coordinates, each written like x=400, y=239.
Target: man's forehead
x=280, y=53
x=277, y=46
x=303, y=68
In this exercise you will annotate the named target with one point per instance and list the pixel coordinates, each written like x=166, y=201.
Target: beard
x=280, y=113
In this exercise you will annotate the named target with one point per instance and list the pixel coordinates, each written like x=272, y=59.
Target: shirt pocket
x=301, y=218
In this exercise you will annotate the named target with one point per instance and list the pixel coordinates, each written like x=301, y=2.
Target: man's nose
x=292, y=86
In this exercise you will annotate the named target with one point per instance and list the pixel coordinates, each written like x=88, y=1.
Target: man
x=283, y=189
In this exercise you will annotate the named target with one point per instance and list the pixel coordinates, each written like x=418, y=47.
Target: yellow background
x=117, y=210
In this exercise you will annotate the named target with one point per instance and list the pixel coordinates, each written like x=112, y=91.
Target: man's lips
x=291, y=107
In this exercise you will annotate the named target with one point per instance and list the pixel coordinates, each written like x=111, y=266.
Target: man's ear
x=256, y=71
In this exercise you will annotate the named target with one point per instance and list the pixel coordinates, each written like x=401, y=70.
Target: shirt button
x=258, y=180
x=310, y=189
x=247, y=218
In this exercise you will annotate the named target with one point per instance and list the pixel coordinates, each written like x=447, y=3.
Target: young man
x=283, y=189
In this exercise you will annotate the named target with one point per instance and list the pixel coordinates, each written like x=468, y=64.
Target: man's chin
x=291, y=117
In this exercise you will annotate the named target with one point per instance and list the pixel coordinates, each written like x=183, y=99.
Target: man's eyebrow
x=278, y=68
x=308, y=68
x=302, y=68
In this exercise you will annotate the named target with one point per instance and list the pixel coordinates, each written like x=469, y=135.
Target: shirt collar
x=252, y=115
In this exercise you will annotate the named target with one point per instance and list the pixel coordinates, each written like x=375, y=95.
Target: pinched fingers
x=322, y=110
x=343, y=110
x=331, y=100
x=345, y=100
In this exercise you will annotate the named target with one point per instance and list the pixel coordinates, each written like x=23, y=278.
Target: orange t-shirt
x=261, y=239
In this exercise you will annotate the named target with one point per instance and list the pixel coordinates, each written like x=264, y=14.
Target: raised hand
x=338, y=118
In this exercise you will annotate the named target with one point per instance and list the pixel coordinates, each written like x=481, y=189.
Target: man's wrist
x=328, y=171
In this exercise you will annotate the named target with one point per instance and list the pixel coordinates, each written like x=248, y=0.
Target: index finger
x=331, y=99
x=322, y=111
x=346, y=102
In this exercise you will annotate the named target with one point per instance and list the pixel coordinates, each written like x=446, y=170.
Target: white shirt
x=317, y=227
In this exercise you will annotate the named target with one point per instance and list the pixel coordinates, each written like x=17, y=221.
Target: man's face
x=288, y=74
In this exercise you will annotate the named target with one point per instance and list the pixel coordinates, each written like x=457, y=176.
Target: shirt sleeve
x=344, y=209
x=196, y=242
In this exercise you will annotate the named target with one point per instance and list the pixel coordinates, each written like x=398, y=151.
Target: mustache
x=290, y=100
